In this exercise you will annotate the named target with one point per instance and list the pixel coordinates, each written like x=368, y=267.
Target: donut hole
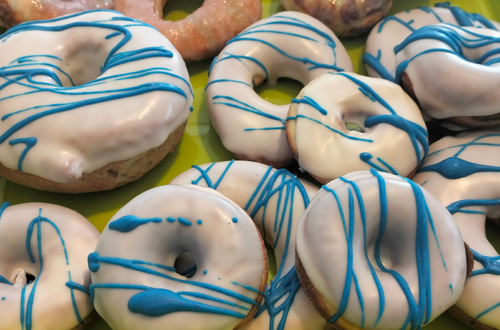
x=387, y=255
x=271, y=258
x=176, y=10
x=355, y=120
x=30, y=278
x=83, y=62
x=280, y=93
x=355, y=127
x=493, y=233
x=185, y=265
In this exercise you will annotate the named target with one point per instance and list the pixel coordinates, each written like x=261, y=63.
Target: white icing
x=322, y=245
x=289, y=44
x=52, y=307
x=229, y=252
x=86, y=138
x=481, y=292
x=393, y=33
x=328, y=150
x=245, y=183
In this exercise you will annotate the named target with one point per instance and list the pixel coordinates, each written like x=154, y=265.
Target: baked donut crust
x=108, y=177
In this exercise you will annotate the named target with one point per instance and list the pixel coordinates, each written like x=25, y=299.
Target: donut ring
x=462, y=173
x=347, y=18
x=379, y=57
x=134, y=284
x=471, y=57
x=44, y=277
x=377, y=251
x=204, y=32
x=275, y=199
x=13, y=12
x=287, y=44
x=388, y=120
x=93, y=107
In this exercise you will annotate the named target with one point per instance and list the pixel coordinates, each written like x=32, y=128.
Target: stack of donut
x=394, y=237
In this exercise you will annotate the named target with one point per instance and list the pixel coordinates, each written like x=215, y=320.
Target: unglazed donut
x=203, y=33
x=275, y=199
x=347, y=18
x=392, y=135
x=13, y=12
x=463, y=174
x=435, y=56
x=44, y=278
x=378, y=252
x=287, y=44
x=88, y=101
x=134, y=284
x=380, y=59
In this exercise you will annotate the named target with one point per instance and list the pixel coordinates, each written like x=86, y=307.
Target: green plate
x=201, y=144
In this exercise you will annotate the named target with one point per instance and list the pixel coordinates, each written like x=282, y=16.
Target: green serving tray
x=201, y=144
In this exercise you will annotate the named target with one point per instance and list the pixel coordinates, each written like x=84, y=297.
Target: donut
x=287, y=44
x=380, y=58
x=95, y=113
x=14, y=12
x=471, y=57
x=376, y=251
x=275, y=199
x=343, y=122
x=134, y=282
x=203, y=33
x=347, y=18
x=462, y=172
x=44, y=278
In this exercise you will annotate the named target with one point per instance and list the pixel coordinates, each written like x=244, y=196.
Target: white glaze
x=393, y=33
x=52, y=307
x=245, y=183
x=84, y=139
x=229, y=252
x=230, y=122
x=433, y=74
x=323, y=249
x=481, y=292
x=330, y=154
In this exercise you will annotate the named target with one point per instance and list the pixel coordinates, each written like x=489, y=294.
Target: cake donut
x=376, y=251
x=134, y=282
x=44, y=278
x=380, y=58
x=433, y=56
x=14, y=12
x=88, y=102
x=201, y=34
x=288, y=44
x=347, y=18
x=275, y=199
x=462, y=172
x=341, y=123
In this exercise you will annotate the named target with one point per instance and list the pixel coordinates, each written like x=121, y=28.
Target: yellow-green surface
x=201, y=144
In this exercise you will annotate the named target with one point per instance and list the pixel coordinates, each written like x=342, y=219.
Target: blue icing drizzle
x=419, y=313
x=205, y=272
x=170, y=219
x=128, y=223
x=309, y=101
x=235, y=220
x=280, y=293
x=457, y=206
x=184, y=221
x=3, y=280
x=24, y=69
x=199, y=222
x=3, y=206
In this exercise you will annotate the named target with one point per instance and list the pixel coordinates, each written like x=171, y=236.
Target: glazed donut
x=347, y=18
x=287, y=44
x=134, y=283
x=379, y=57
x=434, y=56
x=14, y=12
x=275, y=199
x=463, y=174
x=44, y=279
x=88, y=101
x=391, y=136
x=376, y=251
x=203, y=33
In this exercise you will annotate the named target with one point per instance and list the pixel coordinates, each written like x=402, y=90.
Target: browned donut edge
x=468, y=320
x=107, y=177
x=263, y=284
x=86, y=322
